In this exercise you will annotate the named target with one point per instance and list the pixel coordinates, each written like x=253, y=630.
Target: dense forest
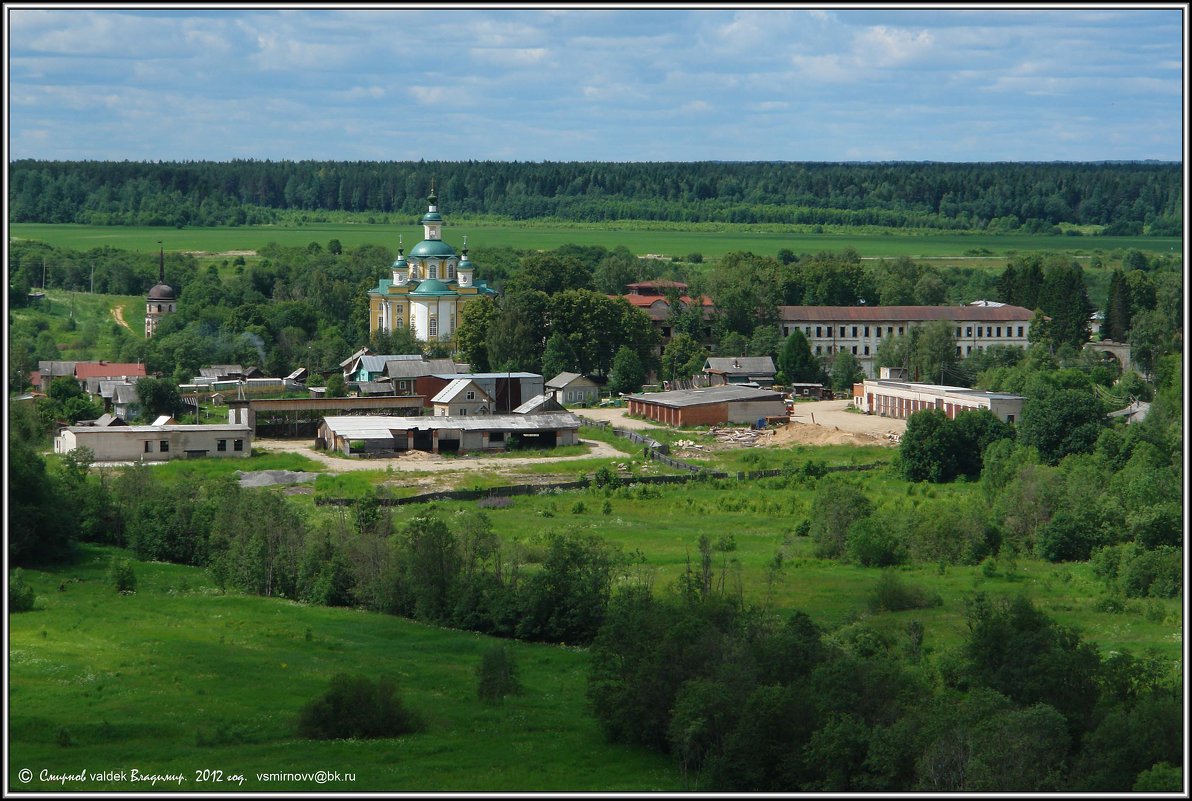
x=1123, y=198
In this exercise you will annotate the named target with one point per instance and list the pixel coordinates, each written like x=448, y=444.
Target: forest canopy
x=1124, y=198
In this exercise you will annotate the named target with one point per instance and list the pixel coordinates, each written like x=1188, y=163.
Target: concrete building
x=901, y=399
x=392, y=435
x=573, y=388
x=711, y=406
x=426, y=291
x=157, y=443
x=861, y=329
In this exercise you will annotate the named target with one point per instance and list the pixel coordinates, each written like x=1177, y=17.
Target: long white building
x=861, y=329
x=901, y=399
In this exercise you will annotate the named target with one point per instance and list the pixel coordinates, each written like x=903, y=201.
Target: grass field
x=665, y=523
x=180, y=678
x=944, y=248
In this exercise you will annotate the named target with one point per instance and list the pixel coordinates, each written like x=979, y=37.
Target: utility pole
x=92, y=278
x=43, y=273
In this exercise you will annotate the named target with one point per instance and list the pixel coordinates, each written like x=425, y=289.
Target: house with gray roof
x=573, y=388
x=741, y=369
x=463, y=397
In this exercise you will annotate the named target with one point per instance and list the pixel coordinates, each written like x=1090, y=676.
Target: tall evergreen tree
x=1065, y=299
x=797, y=362
x=1117, y=309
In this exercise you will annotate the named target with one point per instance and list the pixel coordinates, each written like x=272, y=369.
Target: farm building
x=388, y=435
x=157, y=443
x=901, y=399
x=710, y=406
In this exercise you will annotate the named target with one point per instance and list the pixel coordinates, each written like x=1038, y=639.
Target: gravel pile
x=270, y=478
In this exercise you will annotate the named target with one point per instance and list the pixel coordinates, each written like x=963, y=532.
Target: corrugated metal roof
x=452, y=391
x=406, y=369
x=728, y=393
x=741, y=365
x=236, y=427
x=562, y=380
x=908, y=314
x=539, y=403
x=383, y=427
x=940, y=389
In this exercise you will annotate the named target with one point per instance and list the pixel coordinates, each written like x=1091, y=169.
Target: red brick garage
x=708, y=406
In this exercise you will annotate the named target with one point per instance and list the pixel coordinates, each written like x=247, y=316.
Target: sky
x=830, y=83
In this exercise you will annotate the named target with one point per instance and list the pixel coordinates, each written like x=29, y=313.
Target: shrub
x=357, y=707
x=494, y=502
x=872, y=543
x=20, y=594
x=892, y=594
x=122, y=576
x=497, y=675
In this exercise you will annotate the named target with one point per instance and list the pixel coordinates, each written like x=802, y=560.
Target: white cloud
x=511, y=56
x=696, y=105
x=887, y=47
x=434, y=95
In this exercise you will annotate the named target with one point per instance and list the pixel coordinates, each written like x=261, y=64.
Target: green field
x=664, y=523
x=711, y=241
x=180, y=677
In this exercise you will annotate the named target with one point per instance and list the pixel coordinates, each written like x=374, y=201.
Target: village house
x=651, y=297
x=463, y=397
x=573, y=388
x=740, y=370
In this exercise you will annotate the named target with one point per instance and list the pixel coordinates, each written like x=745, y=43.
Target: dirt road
x=118, y=313
x=419, y=461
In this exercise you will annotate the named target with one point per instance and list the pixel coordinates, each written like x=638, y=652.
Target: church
x=428, y=289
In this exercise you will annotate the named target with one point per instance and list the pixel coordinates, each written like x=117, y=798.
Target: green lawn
x=181, y=677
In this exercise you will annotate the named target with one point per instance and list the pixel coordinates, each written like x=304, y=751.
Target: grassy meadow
x=180, y=677
x=710, y=240
x=664, y=524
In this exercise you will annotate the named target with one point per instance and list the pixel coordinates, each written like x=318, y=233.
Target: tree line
x=1125, y=198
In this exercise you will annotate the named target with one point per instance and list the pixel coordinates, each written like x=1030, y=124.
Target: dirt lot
x=421, y=462
x=812, y=423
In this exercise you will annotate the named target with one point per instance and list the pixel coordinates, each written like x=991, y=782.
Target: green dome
x=429, y=248
x=431, y=217
x=432, y=286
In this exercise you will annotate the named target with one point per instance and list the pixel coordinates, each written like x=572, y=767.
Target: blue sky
x=605, y=84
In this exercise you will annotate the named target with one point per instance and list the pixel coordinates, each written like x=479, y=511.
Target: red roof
x=85, y=370
x=832, y=314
